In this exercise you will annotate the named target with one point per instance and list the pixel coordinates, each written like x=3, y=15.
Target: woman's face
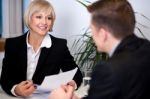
x=40, y=23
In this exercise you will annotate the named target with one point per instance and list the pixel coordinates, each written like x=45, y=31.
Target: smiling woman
x=31, y=57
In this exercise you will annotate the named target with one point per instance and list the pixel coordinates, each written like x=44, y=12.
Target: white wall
x=72, y=18
x=143, y=7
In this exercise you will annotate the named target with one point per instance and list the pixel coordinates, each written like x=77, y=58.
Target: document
x=54, y=81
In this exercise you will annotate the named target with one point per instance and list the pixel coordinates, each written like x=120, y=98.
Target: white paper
x=38, y=96
x=54, y=81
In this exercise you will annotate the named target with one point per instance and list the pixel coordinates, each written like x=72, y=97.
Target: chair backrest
x=2, y=44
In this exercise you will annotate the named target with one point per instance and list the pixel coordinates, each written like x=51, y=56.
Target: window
x=1, y=18
x=25, y=5
x=10, y=18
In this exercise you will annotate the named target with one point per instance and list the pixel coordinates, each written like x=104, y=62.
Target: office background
x=72, y=18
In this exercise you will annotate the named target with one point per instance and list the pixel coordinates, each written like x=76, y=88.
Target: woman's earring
x=51, y=30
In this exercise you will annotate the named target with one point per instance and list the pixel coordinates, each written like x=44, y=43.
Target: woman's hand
x=25, y=88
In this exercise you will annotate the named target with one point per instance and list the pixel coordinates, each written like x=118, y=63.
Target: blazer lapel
x=37, y=78
x=23, y=55
x=43, y=55
x=125, y=43
x=45, y=52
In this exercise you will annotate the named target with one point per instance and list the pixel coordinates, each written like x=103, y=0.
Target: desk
x=3, y=95
x=81, y=92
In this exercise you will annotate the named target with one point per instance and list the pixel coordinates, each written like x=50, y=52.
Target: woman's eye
x=39, y=17
x=49, y=18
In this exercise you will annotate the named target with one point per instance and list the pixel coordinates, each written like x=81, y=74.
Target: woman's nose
x=44, y=21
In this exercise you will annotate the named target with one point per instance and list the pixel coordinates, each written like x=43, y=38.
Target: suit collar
x=126, y=43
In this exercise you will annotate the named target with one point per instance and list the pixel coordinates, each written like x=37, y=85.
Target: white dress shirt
x=32, y=57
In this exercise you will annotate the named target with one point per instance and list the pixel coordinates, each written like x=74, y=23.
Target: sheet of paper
x=54, y=81
x=38, y=96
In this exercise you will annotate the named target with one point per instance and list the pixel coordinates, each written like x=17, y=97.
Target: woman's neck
x=35, y=41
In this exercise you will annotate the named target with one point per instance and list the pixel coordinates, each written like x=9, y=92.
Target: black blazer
x=126, y=75
x=51, y=60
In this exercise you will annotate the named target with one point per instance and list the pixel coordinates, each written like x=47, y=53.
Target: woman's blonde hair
x=37, y=6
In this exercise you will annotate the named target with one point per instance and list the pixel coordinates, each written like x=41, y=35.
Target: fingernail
x=26, y=82
x=35, y=86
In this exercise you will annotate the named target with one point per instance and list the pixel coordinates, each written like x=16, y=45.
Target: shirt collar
x=47, y=42
x=113, y=49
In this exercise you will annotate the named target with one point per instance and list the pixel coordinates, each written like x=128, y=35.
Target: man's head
x=114, y=16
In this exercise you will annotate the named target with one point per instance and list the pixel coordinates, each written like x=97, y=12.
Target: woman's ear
x=51, y=29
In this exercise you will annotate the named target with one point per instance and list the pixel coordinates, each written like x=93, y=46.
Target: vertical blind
x=0, y=18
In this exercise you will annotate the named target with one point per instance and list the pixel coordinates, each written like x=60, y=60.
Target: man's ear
x=103, y=34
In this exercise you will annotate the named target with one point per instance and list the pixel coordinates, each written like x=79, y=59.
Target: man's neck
x=113, y=45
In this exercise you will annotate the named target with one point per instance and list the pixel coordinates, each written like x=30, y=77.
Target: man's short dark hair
x=115, y=15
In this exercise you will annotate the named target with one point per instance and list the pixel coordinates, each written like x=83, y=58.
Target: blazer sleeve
x=101, y=85
x=69, y=63
x=11, y=66
x=6, y=75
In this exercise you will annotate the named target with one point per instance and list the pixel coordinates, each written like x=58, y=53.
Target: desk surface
x=81, y=92
x=3, y=95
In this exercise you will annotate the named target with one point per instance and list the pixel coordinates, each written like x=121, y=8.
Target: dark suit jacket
x=51, y=60
x=126, y=75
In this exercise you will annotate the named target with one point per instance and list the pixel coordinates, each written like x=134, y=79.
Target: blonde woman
x=35, y=54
